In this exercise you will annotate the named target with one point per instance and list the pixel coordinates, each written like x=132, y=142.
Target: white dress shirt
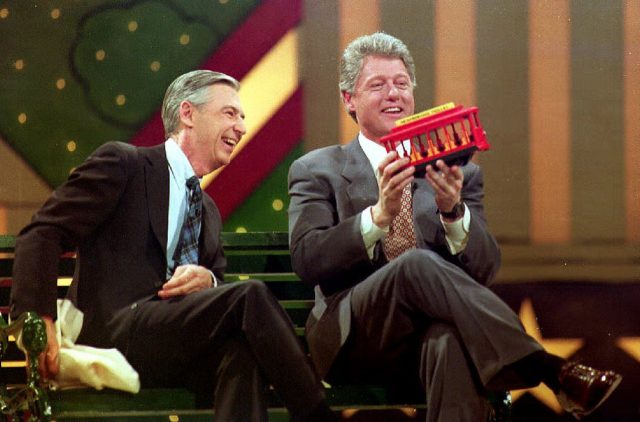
x=456, y=233
x=179, y=171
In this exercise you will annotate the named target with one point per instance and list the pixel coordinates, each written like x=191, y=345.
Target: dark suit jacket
x=329, y=189
x=113, y=210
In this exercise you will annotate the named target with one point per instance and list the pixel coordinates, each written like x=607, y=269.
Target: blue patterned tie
x=187, y=248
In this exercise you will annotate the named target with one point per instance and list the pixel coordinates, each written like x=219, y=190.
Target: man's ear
x=186, y=113
x=348, y=103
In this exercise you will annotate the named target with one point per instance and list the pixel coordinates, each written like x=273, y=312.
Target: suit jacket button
x=133, y=306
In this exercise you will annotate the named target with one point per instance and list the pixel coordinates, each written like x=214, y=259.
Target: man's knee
x=415, y=269
x=252, y=286
x=257, y=302
x=250, y=290
x=418, y=261
x=425, y=269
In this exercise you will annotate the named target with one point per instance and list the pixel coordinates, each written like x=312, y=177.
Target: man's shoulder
x=471, y=169
x=129, y=152
x=324, y=157
x=327, y=151
x=115, y=147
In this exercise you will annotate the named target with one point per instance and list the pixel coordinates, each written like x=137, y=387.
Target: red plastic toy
x=450, y=133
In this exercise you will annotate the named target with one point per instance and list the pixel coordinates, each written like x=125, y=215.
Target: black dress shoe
x=583, y=389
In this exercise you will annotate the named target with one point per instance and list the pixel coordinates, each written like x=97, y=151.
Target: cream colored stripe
x=549, y=119
x=266, y=88
x=64, y=281
x=632, y=117
x=357, y=17
x=14, y=364
x=455, y=52
x=4, y=220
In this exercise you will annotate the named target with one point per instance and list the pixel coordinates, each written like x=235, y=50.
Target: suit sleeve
x=325, y=250
x=481, y=257
x=73, y=212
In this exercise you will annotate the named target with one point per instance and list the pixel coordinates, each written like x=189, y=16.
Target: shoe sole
x=616, y=383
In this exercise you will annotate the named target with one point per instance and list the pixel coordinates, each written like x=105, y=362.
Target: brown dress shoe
x=583, y=389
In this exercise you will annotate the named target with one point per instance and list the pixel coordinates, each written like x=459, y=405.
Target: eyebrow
x=235, y=110
x=375, y=78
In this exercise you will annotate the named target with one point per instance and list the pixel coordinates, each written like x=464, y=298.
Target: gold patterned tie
x=401, y=236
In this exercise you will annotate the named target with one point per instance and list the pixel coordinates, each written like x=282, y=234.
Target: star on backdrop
x=631, y=346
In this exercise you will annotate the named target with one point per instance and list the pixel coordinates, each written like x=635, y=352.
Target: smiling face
x=212, y=130
x=383, y=94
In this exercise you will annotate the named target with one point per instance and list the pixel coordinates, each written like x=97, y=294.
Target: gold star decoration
x=563, y=347
x=631, y=345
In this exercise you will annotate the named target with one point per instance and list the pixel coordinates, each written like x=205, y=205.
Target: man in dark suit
x=419, y=315
x=153, y=288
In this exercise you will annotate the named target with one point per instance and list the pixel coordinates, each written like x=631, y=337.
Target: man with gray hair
x=150, y=263
x=400, y=264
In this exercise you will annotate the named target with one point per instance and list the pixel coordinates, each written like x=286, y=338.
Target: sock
x=546, y=366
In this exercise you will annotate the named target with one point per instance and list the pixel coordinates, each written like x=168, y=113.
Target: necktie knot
x=195, y=195
x=193, y=182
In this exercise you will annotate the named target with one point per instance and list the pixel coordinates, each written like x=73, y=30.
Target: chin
x=221, y=164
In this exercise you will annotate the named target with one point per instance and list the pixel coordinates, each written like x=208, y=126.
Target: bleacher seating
x=263, y=256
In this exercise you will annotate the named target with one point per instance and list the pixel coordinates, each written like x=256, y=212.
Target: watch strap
x=456, y=212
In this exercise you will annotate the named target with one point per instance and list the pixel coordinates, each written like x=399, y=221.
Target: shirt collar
x=373, y=150
x=179, y=164
x=376, y=152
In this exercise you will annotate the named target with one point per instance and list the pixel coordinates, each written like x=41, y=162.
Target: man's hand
x=48, y=362
x=447, y=184
x=391, y=185
x=186, y=279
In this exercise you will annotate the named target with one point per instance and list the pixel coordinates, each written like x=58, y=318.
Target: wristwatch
x=456, y=212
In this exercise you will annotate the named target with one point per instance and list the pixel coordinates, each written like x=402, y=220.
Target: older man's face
x=383, y=94
x=218, y=126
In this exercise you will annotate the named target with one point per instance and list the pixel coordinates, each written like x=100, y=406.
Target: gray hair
x=376, y=44
x=192, y=87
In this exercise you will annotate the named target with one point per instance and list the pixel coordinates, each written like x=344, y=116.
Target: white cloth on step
x=88, y=366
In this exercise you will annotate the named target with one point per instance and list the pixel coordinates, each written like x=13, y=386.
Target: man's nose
x=392, y=91
x=240, y=127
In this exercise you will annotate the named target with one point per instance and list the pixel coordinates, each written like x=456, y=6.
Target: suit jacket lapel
x=157, y=185
x=425, y=211
x=362, y=190
x=207, y=244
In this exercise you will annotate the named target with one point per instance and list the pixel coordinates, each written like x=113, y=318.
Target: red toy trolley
x=448, y=132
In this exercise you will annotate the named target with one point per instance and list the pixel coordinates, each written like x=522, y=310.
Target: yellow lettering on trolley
x=430, y=112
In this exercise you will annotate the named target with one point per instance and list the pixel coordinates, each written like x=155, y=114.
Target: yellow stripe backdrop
x=4, y=225
x=357, y=17
x=455, y=52
x=549, y=121
x=632, y=117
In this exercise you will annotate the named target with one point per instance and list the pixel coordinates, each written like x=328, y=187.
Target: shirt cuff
x=371, y=233
x=457, y=232
x=214, y=280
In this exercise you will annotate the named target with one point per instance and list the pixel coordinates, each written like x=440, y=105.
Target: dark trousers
x=227, y=343
x=422, y=321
